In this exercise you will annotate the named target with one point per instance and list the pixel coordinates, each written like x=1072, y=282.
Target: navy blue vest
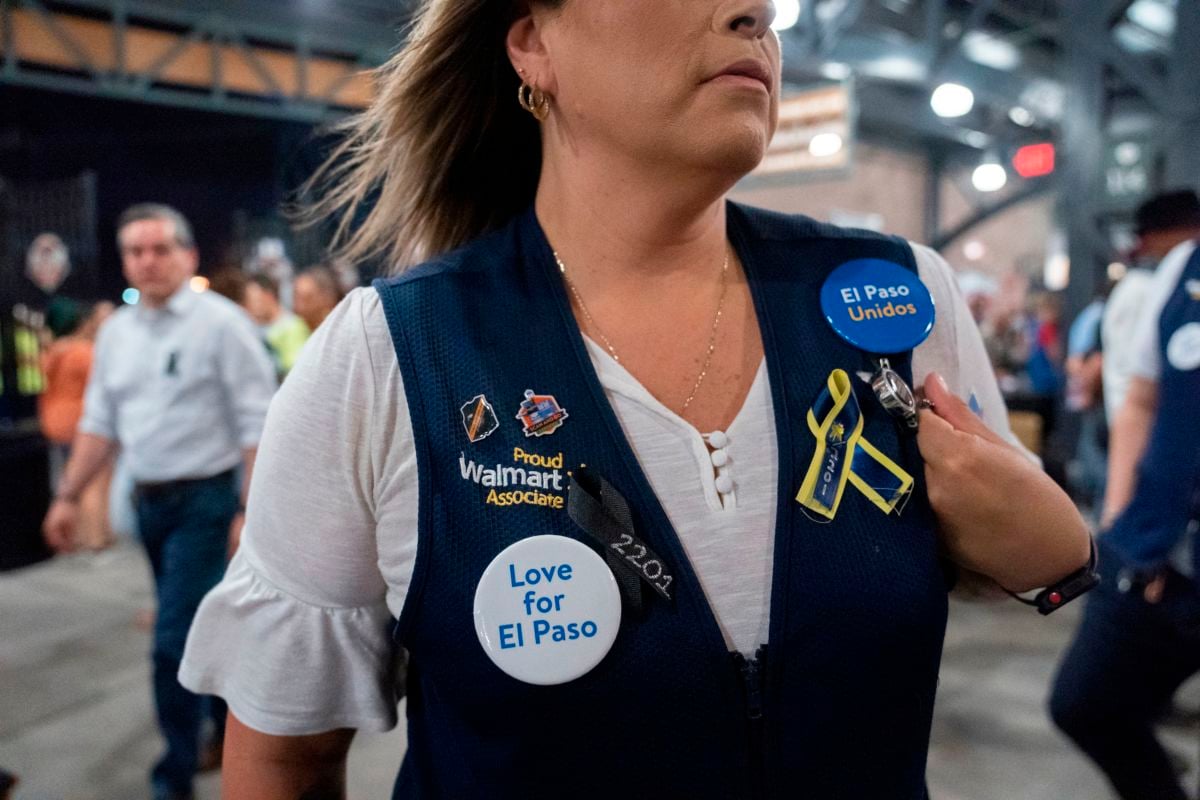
x=1168, y=477
x=839, y=706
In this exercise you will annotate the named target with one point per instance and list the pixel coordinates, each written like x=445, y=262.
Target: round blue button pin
x=877, y=306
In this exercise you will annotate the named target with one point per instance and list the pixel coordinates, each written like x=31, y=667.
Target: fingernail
x=941, y=382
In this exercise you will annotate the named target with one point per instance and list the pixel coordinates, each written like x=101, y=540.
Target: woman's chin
x=740, y=138
x=736, y=155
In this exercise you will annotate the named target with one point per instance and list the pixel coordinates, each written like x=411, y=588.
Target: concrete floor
x=76, y=720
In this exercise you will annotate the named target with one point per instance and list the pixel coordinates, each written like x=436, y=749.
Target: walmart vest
x=1166, y=499
x=838, y=705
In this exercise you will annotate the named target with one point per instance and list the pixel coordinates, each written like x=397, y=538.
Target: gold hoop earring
x=534, y=100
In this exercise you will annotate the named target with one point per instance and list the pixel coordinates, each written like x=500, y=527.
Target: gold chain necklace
x=612, y=351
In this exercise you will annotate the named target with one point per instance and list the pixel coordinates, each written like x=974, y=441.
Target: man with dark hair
x=316, y=292
x=1163, y=222
x=181, y=383
x=284, y=332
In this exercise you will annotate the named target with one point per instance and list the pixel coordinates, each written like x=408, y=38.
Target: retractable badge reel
x=881, y=308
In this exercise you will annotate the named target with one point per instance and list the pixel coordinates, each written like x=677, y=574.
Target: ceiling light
x=787, y=14
x=824, y=145
x=1153, y=15
x=895, y=68
x=977, y=139
x=991, y=51
x=952, y=100
x=1021, y=116
x=836, y=71
x=1044, y=98
x=989, y=177
x=1128, y=153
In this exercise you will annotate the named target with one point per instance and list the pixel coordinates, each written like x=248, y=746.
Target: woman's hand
x=998, y=513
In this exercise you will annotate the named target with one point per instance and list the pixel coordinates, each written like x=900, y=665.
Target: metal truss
x=1068, y=44
x=210, y=60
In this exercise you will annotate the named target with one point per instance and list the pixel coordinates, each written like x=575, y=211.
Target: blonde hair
x=444, y=154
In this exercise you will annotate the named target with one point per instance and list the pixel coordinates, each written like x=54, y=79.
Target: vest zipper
x=752, y=671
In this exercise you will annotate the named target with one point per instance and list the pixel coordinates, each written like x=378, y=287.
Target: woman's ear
x=528, y=53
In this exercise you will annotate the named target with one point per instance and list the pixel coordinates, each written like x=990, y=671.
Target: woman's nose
x=746, y=18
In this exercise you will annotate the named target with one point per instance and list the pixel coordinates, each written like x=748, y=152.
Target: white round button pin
x=547, y=610
x=1183, y=348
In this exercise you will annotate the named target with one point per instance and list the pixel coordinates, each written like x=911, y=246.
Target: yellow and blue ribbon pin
x=842, y=455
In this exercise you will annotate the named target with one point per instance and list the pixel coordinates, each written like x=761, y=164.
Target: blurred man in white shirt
x=181, y=383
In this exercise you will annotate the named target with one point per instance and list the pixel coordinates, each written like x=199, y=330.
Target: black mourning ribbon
x=600, y=510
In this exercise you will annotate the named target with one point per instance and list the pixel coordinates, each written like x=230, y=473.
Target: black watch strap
x=1075, y=585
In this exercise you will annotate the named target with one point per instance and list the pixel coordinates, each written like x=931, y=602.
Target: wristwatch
x=1075, y=585
x=895, y=395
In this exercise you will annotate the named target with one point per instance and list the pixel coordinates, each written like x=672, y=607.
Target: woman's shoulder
x=353, y=343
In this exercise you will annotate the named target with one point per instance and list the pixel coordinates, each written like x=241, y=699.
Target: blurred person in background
x=1004, y=329
x=44, y=292
x=285, y=332
x=181, y=382
x=230, y=283
x=979, y=291
x=1163, y=223
x=270, y=258
x=316, y=292
x=1138, y=641
x=67, y=363
x=48, y=262
x=1042, y=379
x=348, y=275
x=1045, y=352
x=1085, y=399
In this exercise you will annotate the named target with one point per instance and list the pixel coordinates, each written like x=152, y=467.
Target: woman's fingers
x=949, y=407
x=937, y=439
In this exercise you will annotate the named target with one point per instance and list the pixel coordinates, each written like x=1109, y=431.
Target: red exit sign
x=1034, y=160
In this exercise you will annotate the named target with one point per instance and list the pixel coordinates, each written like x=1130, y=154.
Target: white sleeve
x=248, y=376
x=296, y=638
x=1121, y=314
x=99, y=413
x=1147, y=361
x=955, y=348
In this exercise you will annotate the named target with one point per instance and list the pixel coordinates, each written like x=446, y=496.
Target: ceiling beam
x=373, y=43
x=1113, y=11
x=947, y=49
x=1032, y=189
x=1139, y=74
x=209, y=65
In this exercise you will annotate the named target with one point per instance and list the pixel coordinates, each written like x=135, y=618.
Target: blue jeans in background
x=184, y=526
x=1119, y=674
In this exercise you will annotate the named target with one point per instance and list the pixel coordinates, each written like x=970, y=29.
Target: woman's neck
x=610, y=217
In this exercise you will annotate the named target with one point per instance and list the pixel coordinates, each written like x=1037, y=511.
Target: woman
x=67, y=365
x=671, y=342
